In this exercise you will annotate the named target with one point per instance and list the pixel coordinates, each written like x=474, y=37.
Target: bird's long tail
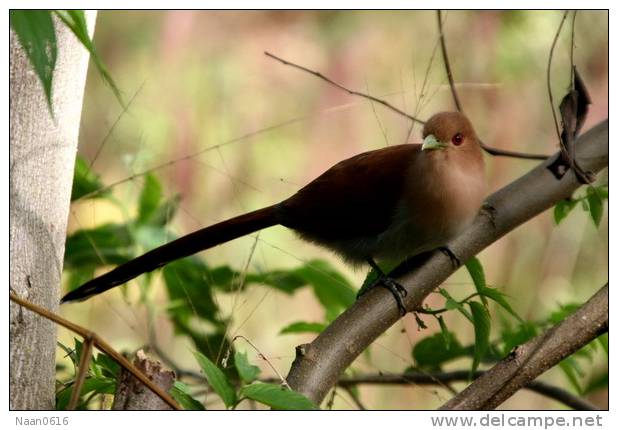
x=182, y=247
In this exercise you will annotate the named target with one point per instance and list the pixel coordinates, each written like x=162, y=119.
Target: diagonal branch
x=319, y=365
x=529, y=360
x=93, y=338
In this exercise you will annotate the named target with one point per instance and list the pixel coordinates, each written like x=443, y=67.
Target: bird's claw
x=396, y=289
x=455, y=261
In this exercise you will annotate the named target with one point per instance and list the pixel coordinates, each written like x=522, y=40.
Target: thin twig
x=282, y=379
x=551, y=96
x=341, y=87
x=82, y=371
x=113, y=127
x=488, y=149
x=447, y=64
x=99, y=343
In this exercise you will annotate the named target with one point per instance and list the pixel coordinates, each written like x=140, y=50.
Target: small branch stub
x=131, y=394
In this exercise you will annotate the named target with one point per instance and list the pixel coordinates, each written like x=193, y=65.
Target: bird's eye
x=457, y=139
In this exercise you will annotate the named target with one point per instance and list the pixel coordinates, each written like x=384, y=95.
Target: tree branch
x=529, y=360
x=435, y=378
x=318, y=365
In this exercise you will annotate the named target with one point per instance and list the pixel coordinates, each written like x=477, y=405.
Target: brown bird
x=387, y=204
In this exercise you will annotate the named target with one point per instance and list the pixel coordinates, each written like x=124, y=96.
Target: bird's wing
x=356, y=197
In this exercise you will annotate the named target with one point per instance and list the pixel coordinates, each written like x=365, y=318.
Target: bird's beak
x=431, y=142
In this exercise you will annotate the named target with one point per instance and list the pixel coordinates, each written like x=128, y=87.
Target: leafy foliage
x=592, y=201
x=217, y=380
x=37, y=36
x=180, y=393
x=276, y=397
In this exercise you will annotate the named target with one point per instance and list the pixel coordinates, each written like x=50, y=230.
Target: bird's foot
x=383, y=280
x=490, y=212
x=455, y=261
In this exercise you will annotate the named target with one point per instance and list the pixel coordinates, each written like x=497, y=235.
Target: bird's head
x=449, y=130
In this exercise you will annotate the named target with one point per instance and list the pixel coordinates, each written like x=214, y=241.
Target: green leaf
x=596, y=205
x=562, y=209
x=149, y=198
x=563, y=312
x=216, y=379
x=86, y=181
x=247, y=371
x=76, y=21
x=97, y=385
x=500, y=298
x=451, y=303
x=571, y=369
x=478, y=276
x=276, y=397
x=432, y=351
x=100, y=246
x=180, y=393
x=482, y=328
x=37, y=36
x=598, y=382
x=187, y=282
x=110, y=367
x=333, y=291
x=520, y=335
x=604, y=341
x=303, y=327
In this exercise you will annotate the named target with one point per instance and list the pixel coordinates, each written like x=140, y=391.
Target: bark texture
x=42, y=156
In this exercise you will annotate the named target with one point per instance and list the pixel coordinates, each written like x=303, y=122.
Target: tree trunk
x=42, y=156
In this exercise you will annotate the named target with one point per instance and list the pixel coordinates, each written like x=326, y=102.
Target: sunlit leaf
x=562, y=209
x=247, y=371
x=451, y=303
x=500, y=298
x=37, y=36
x=86, y=181
x=97, y=385
x=216, y=379
x=276, y=397
x=149, y=198
x=180, y=393
x=75, y=20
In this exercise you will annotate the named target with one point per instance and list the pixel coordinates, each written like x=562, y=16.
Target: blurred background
x=231, y=130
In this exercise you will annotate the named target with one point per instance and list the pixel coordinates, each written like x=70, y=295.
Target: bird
x=388, y=204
